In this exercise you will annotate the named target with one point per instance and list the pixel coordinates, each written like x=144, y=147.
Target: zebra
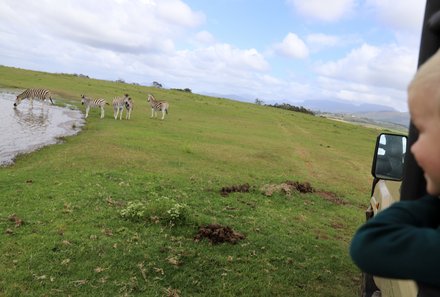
x=118, y=106
x=41, y=94
x=89, y=102
x=157, y=105
x=129, y=107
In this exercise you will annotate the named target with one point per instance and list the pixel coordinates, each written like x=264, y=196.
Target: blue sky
x=361, y=51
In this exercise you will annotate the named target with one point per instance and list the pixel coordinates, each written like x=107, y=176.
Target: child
x=403, y=241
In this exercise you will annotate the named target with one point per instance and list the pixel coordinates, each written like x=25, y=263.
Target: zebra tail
x=166, y=111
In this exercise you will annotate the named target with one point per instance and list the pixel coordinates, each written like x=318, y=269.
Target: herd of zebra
x=119, y=103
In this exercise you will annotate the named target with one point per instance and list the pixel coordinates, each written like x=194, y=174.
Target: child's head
x=424, y=107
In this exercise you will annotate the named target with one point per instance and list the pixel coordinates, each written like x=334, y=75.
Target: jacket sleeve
x=402, y=241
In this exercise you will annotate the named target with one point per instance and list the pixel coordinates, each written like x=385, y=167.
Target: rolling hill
x=126, y=206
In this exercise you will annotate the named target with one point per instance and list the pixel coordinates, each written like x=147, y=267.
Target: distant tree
x=157, y=85
x=259, y=101
x=182, y=90
x=293, y=108
x=120, y=81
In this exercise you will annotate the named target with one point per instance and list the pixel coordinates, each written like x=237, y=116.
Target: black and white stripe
x=157, y=105
x=89, y=102
x=129, y=107
x=31, y=94
x=118, y=106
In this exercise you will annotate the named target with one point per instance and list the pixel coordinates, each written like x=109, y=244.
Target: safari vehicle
x=397, y=175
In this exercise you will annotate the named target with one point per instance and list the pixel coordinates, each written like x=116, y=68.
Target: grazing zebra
x=157, y=105
x=129, y=107
x=89, y=102
x=41, y=94
x=118, y=106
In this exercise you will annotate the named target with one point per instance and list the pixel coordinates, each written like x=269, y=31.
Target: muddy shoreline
x=28, y=128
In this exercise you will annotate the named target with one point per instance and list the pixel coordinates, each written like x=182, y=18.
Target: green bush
x=162, y=210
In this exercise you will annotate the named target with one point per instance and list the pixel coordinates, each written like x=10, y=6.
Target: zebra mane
x=85, y=97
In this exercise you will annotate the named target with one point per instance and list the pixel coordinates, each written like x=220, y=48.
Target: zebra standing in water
x=41, y=94
x=89, y=102
x=157, y=105
x=118, y=106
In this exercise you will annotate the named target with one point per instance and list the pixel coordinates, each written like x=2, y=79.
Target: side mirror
x=389, y=156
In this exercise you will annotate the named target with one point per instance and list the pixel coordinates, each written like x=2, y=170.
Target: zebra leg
x=152, y=112
x=102, y=112
x=115, y=112
x=121, y=110
x=163, y=114
x=87, y=111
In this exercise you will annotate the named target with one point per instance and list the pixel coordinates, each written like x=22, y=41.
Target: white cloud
x=144, y=40
x=226, y=58
x=390, y=66
x=292, y=46
x=323, y=10
x=405, y=15
x=323, y=40
x=178, y=13
x=370, y=74
x=404, y=20
x=358, y=93
x=204, y=37
x=123, y=26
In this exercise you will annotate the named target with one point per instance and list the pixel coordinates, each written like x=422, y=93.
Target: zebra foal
x=157, y=105
x=41, y=94
x=89, y=102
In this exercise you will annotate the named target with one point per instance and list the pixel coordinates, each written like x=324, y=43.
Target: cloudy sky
x=275, y=50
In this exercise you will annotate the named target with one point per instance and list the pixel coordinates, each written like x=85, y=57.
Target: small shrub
x=134, y=211
x=177, y=214
x=160, y=210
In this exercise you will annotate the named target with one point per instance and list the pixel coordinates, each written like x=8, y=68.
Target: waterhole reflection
x=26, y=128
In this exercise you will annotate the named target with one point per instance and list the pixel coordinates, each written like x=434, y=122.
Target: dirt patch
x=337, y=225
x=301, y=187
x=216, y=233
x=16, y=220
x=244, y=188
x=287, y=188
x=331, y=197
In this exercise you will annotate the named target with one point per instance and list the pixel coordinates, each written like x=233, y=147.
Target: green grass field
x=114, y=210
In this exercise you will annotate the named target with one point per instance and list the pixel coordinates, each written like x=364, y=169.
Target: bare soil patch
x=244, y=188
x=288, y=187
x=216, y=233
x=331, y=197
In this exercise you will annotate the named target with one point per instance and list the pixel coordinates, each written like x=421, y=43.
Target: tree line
x=286, y=106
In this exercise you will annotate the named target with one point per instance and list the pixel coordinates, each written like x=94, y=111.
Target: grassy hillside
x=114, y=210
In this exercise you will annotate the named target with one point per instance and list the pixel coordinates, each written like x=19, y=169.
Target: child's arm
x=402, y=241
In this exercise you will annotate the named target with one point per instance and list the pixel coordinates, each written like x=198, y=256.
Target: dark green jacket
x=402, y=241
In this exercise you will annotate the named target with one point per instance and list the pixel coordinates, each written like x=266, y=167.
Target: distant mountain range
x=366, y=113
x=375, y=114
x=336, y=106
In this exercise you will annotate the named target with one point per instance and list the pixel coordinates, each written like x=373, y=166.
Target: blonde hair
x=427, y=79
